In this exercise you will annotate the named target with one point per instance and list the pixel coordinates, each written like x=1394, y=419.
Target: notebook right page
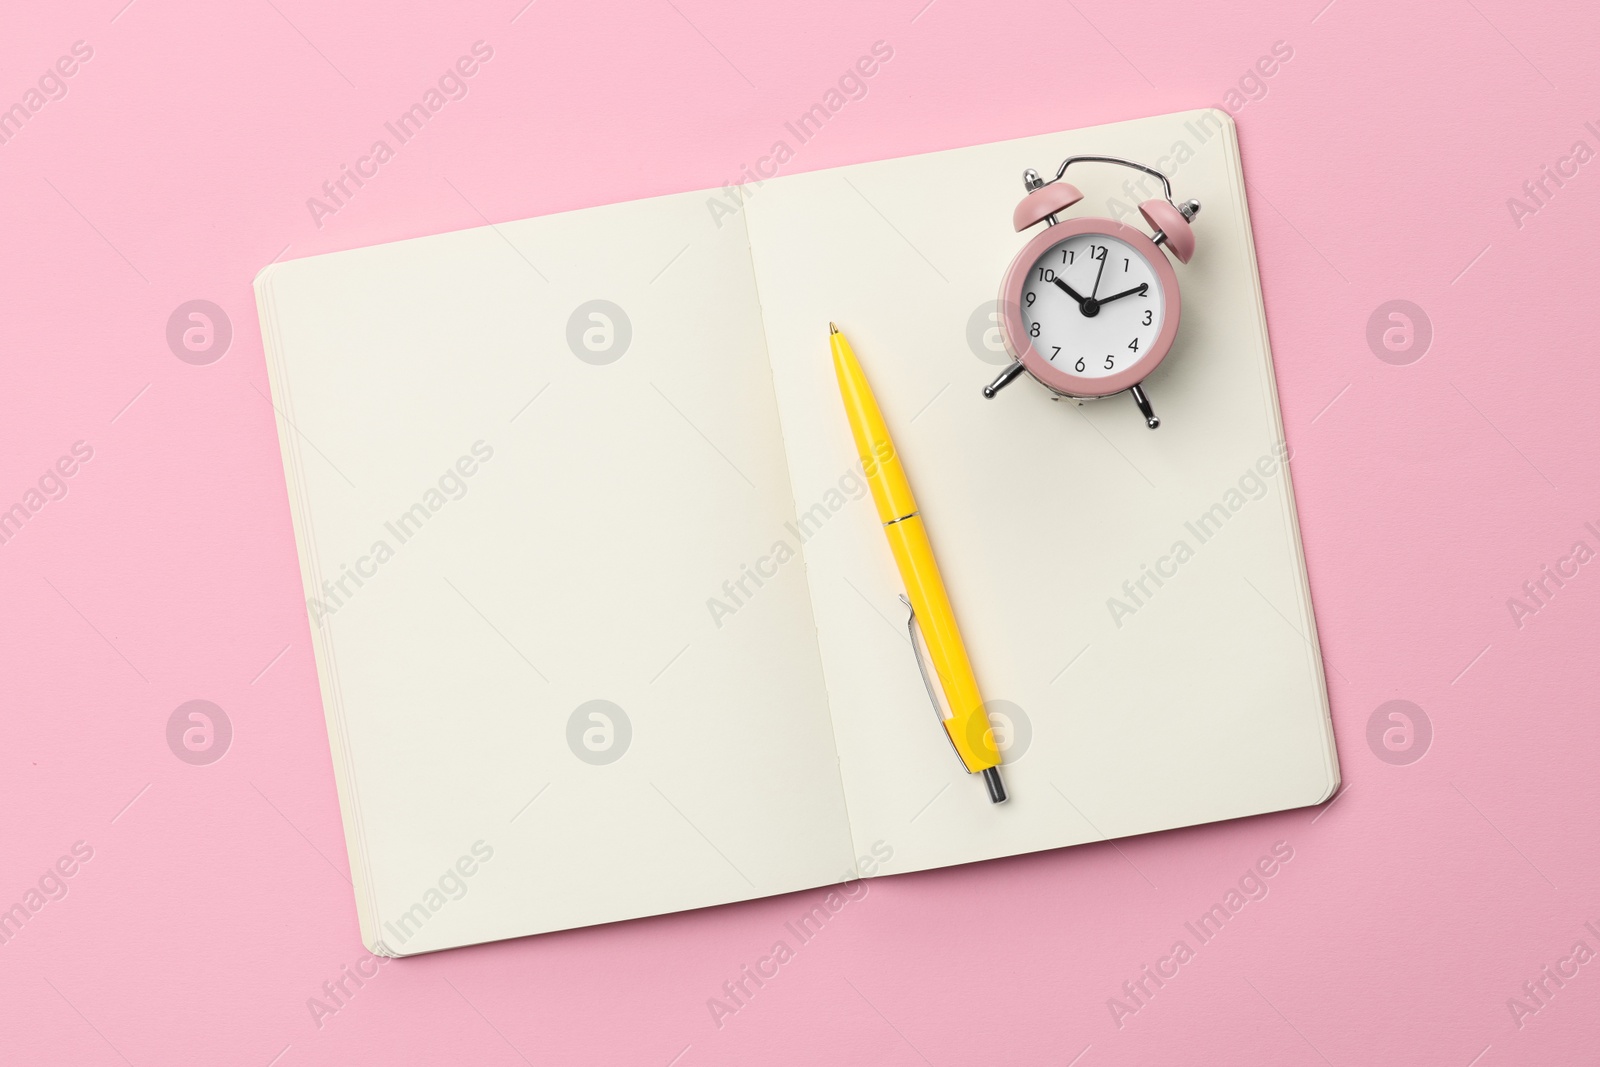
x=1135, y=602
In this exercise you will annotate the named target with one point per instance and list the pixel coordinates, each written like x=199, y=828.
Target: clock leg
x=1143, y=401
x=1006, y=377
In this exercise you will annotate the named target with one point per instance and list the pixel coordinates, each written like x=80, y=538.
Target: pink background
x=1380, y=160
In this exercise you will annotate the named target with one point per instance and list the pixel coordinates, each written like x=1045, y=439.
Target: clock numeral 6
x=1078, y=366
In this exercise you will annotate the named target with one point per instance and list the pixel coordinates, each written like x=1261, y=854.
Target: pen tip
x=832, y=328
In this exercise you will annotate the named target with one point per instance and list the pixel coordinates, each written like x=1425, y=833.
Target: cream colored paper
x=575, y=566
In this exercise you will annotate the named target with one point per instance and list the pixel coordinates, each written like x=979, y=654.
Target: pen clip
x=927, y=679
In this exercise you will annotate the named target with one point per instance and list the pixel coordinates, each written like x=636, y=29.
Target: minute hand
x=1126, y=292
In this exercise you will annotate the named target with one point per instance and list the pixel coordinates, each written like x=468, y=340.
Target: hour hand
x=1071, y=292
x=1126, y=292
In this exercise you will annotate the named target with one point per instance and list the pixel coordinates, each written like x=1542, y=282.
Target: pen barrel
x=968, y=725
x=880, y=463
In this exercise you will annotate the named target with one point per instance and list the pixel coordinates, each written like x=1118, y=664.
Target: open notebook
x=604, y=620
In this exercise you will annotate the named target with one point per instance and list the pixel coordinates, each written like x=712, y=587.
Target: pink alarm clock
x=1090, y=306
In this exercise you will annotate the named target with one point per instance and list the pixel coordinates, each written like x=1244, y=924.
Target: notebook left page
x=524, y=463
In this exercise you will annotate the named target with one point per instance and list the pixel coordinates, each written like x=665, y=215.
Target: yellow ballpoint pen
x=968, y=723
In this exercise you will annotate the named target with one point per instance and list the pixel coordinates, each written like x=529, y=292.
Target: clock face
x=1092, y=305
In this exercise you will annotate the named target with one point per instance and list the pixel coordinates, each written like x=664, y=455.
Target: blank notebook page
x=573, y=564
